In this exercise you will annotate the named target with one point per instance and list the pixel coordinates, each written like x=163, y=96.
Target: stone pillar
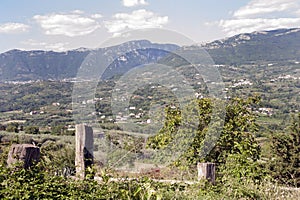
x=84, y=149
x=206, y=171
x=26, y=154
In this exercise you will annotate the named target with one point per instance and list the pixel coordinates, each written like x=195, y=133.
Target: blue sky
x=68, y=24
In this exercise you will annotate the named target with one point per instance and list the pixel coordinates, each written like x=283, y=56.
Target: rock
x=207, y=171
x=27, y=154
x=84, y=149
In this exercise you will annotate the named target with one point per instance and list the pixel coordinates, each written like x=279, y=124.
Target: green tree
x=2, y=127
x=235, y=151
x=237, y=135
x=58, y=130
x=164, y=136
x=285, y=160
x=13, y=127
x=32, y=130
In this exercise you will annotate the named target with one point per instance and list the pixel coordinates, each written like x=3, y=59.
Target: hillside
x=249, y=48
x=274, y=46
x=260, y=72
x=261, y=63
x=17, y=65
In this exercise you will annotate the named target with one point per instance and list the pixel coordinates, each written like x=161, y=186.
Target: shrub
x=32, y=130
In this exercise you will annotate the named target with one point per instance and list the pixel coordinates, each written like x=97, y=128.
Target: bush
x=285, y=162
x=13, y=127
x=32, y=130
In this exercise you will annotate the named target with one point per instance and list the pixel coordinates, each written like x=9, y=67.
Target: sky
x=60, y=25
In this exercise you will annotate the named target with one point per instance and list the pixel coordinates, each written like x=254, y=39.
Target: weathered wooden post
x=207, y=171
x=84, y=149
x=26, y=154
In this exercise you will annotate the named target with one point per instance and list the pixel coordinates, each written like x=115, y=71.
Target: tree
x=32, y=130
x=13, y=127
x=238, y=132
x=164, y=136
x=58, y=130
x=2, y=127
x=285, y=162
x=237, y=135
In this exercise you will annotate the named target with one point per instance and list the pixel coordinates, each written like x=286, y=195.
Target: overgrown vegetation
x=242, y=172
x=257, y=154
x=36, y=183
x=285, y=161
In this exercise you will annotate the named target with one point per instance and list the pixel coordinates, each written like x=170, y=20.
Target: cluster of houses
x=242, y=82
x=266, y=111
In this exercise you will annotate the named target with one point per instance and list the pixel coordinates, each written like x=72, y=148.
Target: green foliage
x=237, y=136
x=236, y=151
x=58, y=158
x=172, y=122
x=37, y=183
x=285, y=161
x=61, y=130
x=30, y=184
x=12, y=127
x=239, y=178
x=238, y=173
x=32, y=130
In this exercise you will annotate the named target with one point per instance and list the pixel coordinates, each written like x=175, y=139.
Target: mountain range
x=248, y=48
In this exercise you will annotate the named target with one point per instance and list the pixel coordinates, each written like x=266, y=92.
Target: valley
x=259, y=83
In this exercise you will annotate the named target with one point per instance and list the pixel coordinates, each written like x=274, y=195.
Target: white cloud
x=59, y=46
x=131, y=3
x=32, y=42
x=77, y=12
x=68, y=24
x=13, y=28
x=138, y=19
x=262, y=7
x=235, y=26
x=96, y=16
x=260, y=15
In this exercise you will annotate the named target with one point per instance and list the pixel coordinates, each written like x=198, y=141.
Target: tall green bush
x=285, y=158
